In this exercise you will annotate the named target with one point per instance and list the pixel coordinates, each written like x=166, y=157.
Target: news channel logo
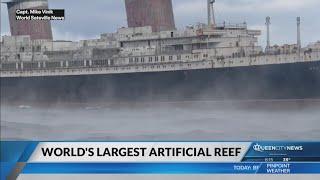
x=272, y=148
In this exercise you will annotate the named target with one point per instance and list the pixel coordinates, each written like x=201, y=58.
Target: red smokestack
x=155, y=13
x=36, y=29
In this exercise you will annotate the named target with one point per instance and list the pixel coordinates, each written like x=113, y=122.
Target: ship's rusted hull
x=281, y=81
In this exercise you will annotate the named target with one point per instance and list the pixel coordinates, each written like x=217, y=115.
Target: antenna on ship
x=211, y=16
x=209, y=12
x=268, y=22
x=299, y=34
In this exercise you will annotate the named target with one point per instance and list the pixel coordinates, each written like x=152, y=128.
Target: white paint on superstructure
x=168, y=66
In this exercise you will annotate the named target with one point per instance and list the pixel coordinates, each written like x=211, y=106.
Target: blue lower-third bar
x=172, y=168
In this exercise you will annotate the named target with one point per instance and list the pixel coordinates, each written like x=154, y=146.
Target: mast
x=299, y=34
x=268, y=22
x=209, y=12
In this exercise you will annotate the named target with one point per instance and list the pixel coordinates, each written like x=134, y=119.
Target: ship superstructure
x=141, y=49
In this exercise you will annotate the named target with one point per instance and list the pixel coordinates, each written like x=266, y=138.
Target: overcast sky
x=89, y=18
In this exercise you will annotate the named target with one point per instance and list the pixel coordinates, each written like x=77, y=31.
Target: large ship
x=155, y=61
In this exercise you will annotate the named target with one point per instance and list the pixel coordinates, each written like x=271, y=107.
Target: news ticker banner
x=159, y=158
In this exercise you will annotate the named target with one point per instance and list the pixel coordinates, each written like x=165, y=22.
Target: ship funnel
x=155, y=13
x=268, y=22
x=35, y=29
x=299, y=33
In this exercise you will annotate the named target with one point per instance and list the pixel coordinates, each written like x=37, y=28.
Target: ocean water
x=212, y=120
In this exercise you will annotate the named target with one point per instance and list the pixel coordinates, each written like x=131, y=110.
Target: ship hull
x=278, y=81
